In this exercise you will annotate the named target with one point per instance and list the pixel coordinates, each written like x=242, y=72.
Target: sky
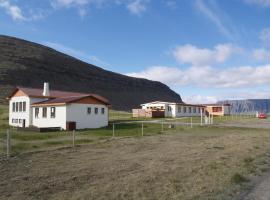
x=205, y=50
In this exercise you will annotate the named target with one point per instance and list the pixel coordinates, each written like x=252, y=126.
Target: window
x=13, y=107
x=194, y=109
x=24, y=106
x=20, y=121
x=169, y=108
x=179, y=109
x=89, y=110
x=185, y=109
x=52, y=112
x=44, y=112
x=36, y=112
x=162, y=107
x=189, y=109
x=17, y=107
x=96, y=110
x=217, y=109
x=20, y=106
x=102, y=111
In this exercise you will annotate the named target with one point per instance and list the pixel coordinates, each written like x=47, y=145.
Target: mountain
x=249, y=105
x=24, y=63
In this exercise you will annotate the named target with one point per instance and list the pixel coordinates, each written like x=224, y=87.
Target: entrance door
x=23, y=123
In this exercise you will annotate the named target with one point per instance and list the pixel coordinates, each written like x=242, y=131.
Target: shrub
x=238, y=178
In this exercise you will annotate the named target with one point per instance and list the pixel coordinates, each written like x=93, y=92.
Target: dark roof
x=57, y=96
x=71, y=99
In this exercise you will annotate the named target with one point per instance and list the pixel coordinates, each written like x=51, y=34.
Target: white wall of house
x=172, y=109
x=79, y=113
x=160, y=105
x=225, y=110
x=188, y=111
x=50, y=122
x=16, y=118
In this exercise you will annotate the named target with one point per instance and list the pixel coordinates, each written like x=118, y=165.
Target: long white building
x=57, y=109
x=175, y=109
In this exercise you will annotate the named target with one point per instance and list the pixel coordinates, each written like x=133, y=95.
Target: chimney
x=46, y=91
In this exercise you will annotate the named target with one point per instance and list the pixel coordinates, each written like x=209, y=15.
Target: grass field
x=31, y=141
x=198, y=163
x=209, y=162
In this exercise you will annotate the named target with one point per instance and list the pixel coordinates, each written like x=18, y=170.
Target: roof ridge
x=22, y=87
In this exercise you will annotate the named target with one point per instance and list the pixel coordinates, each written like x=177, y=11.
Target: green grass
x=238, y=178
x=119, y=115
x=31, y=141
x=222, y=156
x=3, y=117
x=199, y=162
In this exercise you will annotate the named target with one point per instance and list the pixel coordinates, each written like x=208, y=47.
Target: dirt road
x=247, y=123
x=260, y=189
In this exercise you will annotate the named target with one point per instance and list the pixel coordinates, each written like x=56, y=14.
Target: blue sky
x=206, y=50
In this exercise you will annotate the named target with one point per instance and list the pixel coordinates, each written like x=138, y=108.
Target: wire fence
x=14, y=142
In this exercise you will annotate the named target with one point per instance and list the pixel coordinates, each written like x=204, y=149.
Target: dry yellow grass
x=198, y=163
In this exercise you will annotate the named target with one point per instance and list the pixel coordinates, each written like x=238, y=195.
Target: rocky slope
x=249, y=105
x=24, y=63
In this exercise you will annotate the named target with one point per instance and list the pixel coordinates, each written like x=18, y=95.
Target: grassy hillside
x=23, y=63
x=3, y=116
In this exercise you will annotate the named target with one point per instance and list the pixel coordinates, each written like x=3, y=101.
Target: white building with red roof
x=44, y=108
x=172, y=109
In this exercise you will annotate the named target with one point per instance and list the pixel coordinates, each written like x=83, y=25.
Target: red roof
x=57, y=96
x=53, y=93
x=71, y=99
x=216, y=104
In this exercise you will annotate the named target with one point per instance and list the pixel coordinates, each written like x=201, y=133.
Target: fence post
x=113, y=129
x=201, y=117
x=191, y=122
x=8, y=144
x=142, y=128
x=73, y=138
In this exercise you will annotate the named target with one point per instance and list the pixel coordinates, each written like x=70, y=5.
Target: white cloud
x=261, y=55
x=263, y=3
x=203, y=56
x=69, y=3
x=214, y=16
x=246, y=94
x=208, y=77
x=137, y=6
x=199, y=99
x=80, y=5
x=233, y=95
x=77, y=53
x=172, y=4
x=13, y=10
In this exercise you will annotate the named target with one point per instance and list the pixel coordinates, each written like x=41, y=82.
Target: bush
x=238, y=178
